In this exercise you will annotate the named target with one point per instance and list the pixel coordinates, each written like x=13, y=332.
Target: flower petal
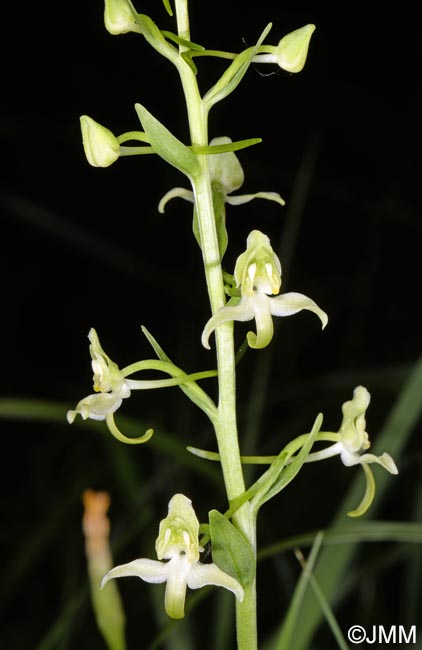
x=96, y=407
x=149, y=570
x=242, y=312
x=176, y=192
x=264, y=322
x=245, y=198
x=178, y=569
x=368, y=497
x=209, y=574
x=115, y=431
x=291, y=303
x=384, y=460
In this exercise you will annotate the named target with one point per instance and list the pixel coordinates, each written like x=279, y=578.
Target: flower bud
x=101, y=146
x=119, y=18
x=292, y=50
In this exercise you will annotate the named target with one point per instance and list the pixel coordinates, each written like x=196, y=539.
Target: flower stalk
x=226, y=431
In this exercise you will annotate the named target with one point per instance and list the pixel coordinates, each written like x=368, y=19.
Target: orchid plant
x=252, y=292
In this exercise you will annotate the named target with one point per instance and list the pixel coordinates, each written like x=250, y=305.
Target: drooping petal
x=115, y=431
x=368, y=497
x=96, y=407
x=176, y=192
x=291, y=303
x=245, y=198
x=178, y=570
x=149, y=570
x=209, y=574
x=242, y=312
x=264, y=322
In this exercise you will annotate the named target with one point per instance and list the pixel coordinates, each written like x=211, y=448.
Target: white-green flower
x=227, y=176
x=354, y=440
x=101, y=146
x=258, y=274
x=177, y=544
x=351, y=443
x=110, y=385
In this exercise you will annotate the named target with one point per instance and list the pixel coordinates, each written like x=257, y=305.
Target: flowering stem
x=226, y=426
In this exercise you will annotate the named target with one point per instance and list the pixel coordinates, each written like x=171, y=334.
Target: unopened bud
x=292, y=50
x=101, y=146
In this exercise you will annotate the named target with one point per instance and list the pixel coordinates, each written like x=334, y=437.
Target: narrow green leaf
x=167, y=145
x=231, y=552
x=352, y=532
x=284, y=638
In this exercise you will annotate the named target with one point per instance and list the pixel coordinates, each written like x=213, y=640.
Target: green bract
x=101, y=146
x=177, y=543
x=258, y=273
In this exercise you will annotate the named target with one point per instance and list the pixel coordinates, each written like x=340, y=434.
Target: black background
x=85, y=247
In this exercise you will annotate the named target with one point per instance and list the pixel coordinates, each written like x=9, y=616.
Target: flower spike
x=177, y=542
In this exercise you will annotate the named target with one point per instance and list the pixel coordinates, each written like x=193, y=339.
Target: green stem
x=226, y=429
